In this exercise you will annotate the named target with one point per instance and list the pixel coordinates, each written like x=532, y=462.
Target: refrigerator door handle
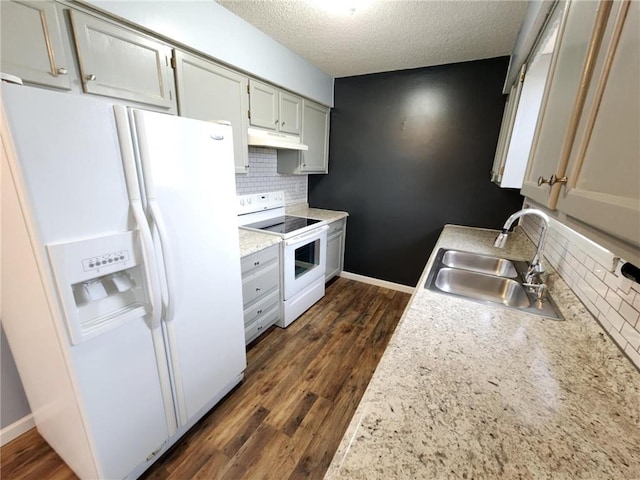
x=168, y=270
x=135, y=201
x=169, y=306
x=153, y=284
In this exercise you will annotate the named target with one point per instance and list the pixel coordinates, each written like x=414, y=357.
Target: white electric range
x=303, y=249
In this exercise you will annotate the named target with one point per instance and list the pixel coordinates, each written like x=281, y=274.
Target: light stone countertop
x=303, y=210
x=468, y=390
x=252, y=242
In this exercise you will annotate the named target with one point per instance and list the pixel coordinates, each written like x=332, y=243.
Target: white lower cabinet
x=261, y=291
x=335, y=248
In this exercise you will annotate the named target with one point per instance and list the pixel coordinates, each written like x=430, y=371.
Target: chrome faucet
x=536, y=268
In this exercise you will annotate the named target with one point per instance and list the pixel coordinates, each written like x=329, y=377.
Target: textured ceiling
x=387, y=35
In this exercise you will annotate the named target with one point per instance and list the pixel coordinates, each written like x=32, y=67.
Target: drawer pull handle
x=258, y=289
x=255, y=264
x=552, y=180
x=259, y=311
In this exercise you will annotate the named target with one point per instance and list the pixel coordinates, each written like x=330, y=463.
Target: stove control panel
x=256, y=202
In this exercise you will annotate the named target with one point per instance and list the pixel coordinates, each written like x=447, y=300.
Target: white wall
x=215, y=31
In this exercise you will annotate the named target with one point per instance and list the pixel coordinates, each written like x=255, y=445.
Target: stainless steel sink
x=480, y=263
x=486, y=279
x=482, y=287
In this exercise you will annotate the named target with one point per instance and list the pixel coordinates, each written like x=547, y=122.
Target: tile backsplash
x=263, y=176
x=593, y=273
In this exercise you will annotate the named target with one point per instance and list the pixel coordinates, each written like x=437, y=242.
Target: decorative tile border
x=593, y=273
x=263, y=176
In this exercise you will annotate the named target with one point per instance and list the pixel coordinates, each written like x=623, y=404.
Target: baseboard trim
x=17, y=428
x=377, y=282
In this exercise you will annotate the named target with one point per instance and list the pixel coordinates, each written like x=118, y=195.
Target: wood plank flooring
x=301, y=388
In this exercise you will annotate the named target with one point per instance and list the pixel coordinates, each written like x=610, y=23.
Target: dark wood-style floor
x=286, y=419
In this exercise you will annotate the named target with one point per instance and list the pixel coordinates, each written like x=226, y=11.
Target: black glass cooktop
x=283, y=224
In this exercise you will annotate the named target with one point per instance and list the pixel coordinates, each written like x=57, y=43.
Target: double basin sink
x=488, y=279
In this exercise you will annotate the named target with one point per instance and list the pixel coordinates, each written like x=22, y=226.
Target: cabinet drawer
x=261, y=306
x=257, y=328
x=260, y=282
x=258, y=259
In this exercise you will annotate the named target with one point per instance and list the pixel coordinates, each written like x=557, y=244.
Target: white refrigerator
x=121, y=289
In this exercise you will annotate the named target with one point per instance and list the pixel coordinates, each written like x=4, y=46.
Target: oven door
x=304, y=260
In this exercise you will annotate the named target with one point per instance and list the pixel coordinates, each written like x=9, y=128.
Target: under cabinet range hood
x=264, y=138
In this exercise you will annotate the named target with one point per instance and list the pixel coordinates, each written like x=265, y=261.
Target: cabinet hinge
x=249, y=114
x=523, y=72
x=174, y=65
x=248, y=90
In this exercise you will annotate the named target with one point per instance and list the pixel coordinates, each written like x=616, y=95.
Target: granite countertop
x=468, y=390
x=303, y=210
x=252, y=242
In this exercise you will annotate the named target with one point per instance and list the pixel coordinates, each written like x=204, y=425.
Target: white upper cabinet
x=274, y=109
x=315, y=134
x=585, y=158
x=32, y=45
x=603, y=172
x=290, y=119
x=264, y=105
x=554, y=126
x=207, y=91
x=117, y=62
x=523, y=107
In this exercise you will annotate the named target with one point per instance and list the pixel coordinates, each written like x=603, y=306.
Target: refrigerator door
x=70, y=172
x=189, y=186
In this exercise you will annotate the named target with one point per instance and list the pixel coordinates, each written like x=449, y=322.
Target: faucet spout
x=536, y=268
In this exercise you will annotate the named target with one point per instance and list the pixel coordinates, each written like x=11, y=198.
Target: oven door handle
x=306, y=236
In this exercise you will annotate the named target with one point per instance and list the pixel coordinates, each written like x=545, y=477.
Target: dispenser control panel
x=97, y=262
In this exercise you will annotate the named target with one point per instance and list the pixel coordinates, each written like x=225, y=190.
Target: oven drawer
x=260, y=282
x=261, y=324
x=261, y=307
x=259, y=259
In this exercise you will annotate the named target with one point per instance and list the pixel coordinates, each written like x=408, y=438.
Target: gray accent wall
x=411, y=151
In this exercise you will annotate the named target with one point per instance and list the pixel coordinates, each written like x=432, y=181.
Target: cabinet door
x=506, y=129
x=119, y=63
x=334, y=256
x=335, y=248
x=207, y=91
x=553, y=126
x=530, y=91
x=603, y=189
x=290, y=117
x=315, y=134
x=32, y=43
x=263, y=100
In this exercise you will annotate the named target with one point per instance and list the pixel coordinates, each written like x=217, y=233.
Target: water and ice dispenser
x=100, y=282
